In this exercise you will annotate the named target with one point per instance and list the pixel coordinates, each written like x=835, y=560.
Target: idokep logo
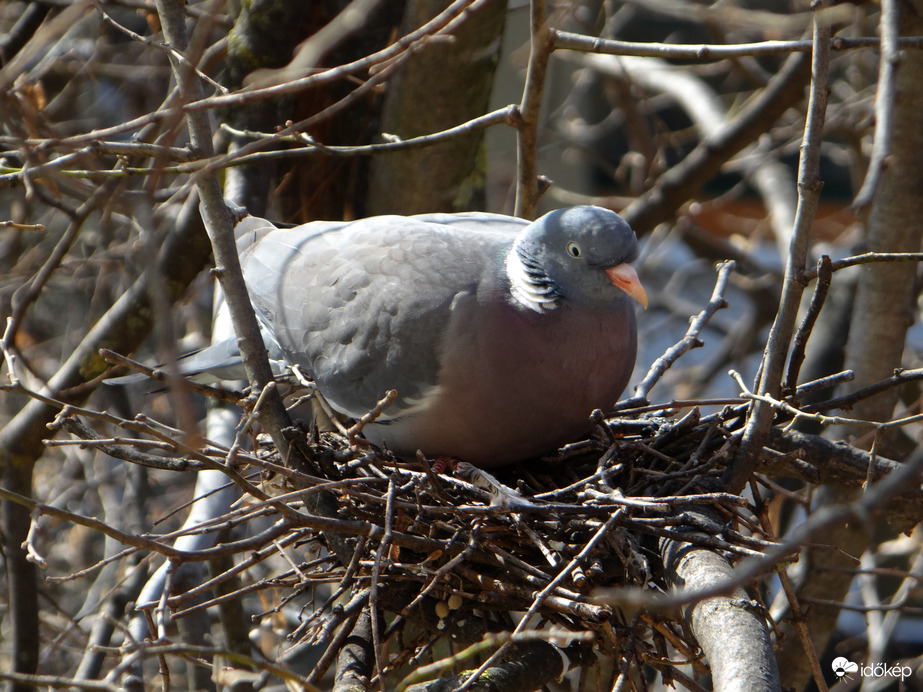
x=842, y=667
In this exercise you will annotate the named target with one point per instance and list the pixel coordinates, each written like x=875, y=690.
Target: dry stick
x=704, y=51
x=893, y=609
x=865, y=258
x=362, y=91
x=780, y=335
x=542, y=44
x=351, y=613
x=179, y=446
x=885, y=95
x=124, y=448
x=345, y=582
x=384, y=546
x=689, y=341
x=254, y=557
x=356, y=429
x=321, y=400
x=627, y=658
x=824, y=382
x=32, y=555
x=796, y=413
x=57, y=681
x=508, y=115
x=439, y=24
x=95, y=150
x=172, y=52
x=845, y=402
x=22, y=226
x=381, y=68
x=795, y=361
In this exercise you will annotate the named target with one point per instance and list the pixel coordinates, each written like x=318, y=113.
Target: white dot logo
x=841, y=666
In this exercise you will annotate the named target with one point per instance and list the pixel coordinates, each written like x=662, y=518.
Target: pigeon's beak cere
x=625, y=277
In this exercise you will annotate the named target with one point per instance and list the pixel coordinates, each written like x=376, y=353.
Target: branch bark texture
x=731, y=629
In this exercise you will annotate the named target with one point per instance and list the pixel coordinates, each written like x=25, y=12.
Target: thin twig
x=384, y=547
x=169, y=50
x=160, y=375
x=796, y=359
x=565, y=40
x=780, y=335
x=689, y=341
x=865, y=258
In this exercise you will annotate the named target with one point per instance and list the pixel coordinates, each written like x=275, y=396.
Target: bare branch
x=689, y=341
x=809, y=186
x=565, y=40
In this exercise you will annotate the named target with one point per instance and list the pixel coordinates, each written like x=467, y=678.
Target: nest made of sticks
x=544, y=552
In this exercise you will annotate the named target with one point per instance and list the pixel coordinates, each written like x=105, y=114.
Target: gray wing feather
x=365, y=309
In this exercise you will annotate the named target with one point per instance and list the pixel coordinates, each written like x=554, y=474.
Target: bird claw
x=441, y=464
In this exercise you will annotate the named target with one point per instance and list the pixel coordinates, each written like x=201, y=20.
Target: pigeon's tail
x=216, y=363
x=221, y=362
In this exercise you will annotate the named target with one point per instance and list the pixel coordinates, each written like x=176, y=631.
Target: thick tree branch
x=731, y=629
x=219, y=222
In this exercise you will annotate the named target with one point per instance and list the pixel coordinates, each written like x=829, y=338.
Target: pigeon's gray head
x=578, y=255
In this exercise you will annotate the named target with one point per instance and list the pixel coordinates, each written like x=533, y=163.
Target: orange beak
x=626, y=278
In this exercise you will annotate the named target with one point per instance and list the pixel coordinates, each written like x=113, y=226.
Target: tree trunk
x=443, y=85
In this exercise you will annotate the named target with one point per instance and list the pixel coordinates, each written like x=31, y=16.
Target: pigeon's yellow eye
x=573, y=249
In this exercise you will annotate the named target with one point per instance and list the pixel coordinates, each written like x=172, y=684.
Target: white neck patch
x=523, y=287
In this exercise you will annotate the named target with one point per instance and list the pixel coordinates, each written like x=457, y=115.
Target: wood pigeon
x=500, y=336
